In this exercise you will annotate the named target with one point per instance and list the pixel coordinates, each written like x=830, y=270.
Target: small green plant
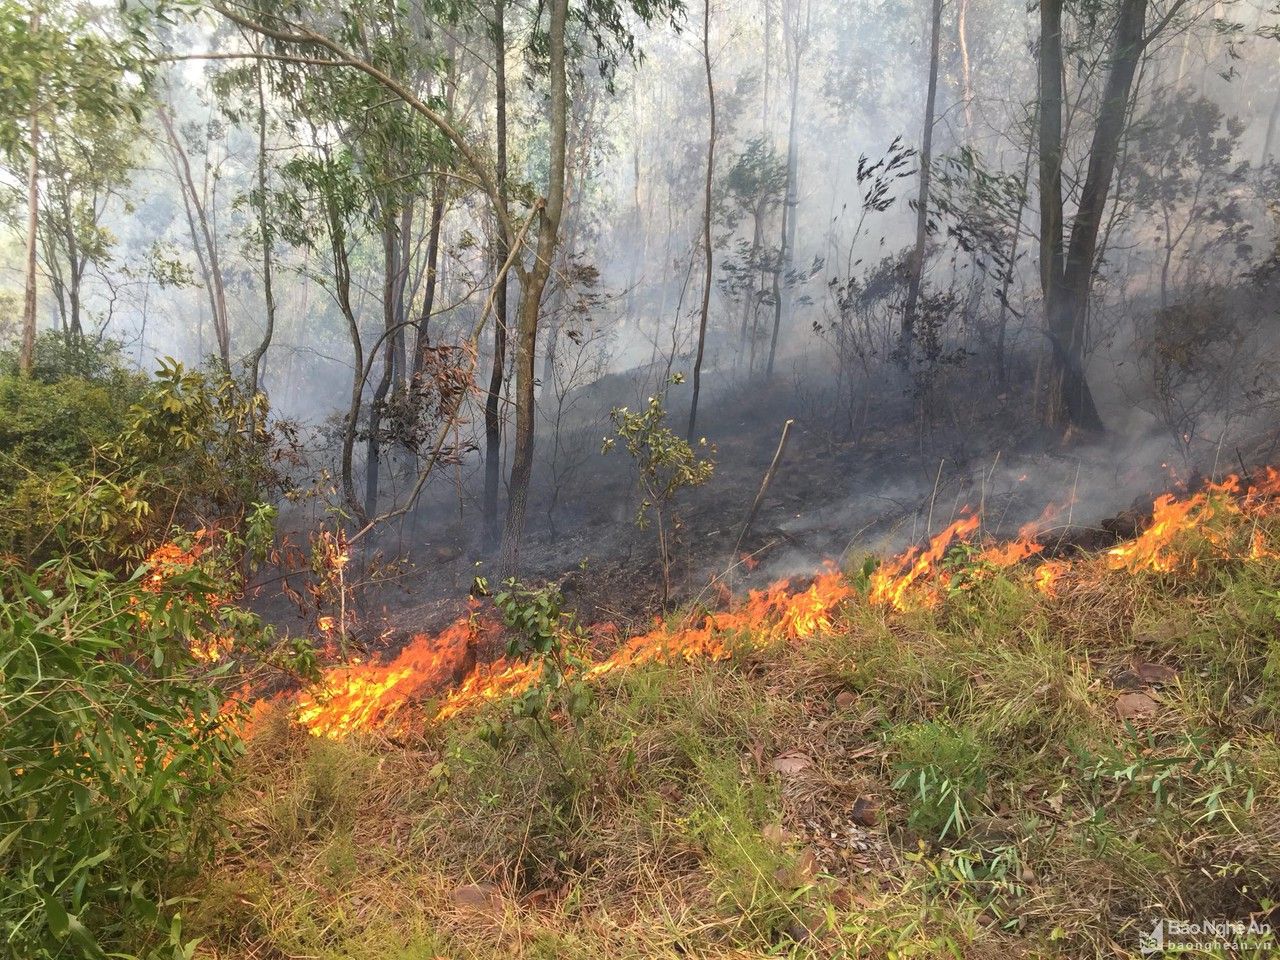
x=940, y=767
x=1188, y=773
x=666, y=465
x=539, y=629
x=992, y=879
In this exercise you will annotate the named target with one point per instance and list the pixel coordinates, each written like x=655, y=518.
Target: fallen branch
x=764, y=486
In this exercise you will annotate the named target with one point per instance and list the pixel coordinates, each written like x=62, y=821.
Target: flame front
x=890, y=583
x=388, y=696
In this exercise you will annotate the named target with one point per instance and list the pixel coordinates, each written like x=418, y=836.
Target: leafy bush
x=100, y=469
x=116, y=731
x=114, y=746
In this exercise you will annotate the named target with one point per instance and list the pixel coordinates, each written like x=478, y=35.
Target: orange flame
x=890, y=583
x=369, y=696
x=388, y=696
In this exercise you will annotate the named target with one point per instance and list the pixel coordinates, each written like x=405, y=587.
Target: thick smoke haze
x=815, y=187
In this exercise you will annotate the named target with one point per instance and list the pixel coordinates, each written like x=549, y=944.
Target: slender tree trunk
x=27, y=351
x=1273, y=120
x=706, y=220
x=1067, y=289
x=1002, y=321
x=796, y=38
x=392, y=294
x=492, y=417
x=423, y=338
x=267, y=239
x=751, y=295
x=966, y=64
x=535, y=281
x=342, y=292
x=915, y=266
x=197, y=215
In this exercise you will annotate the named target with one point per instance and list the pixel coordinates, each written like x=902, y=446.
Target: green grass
x=1019, y=814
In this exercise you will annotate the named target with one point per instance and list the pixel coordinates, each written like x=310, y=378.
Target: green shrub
x=940, y=768
x=114, y=746
x=101, y=469
x=116, y=731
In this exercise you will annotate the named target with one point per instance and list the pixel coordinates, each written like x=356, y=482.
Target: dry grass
x=661, y=825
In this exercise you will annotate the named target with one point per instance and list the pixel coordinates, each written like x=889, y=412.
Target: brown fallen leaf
x=790, y=763
x=478, y=898
x=775, y=834
x=1155, y=673
x=866, y=812
x=1132, y=705
x=845, y=699
x=799, y=873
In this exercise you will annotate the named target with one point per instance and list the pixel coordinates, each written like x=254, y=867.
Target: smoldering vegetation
x=874, y=188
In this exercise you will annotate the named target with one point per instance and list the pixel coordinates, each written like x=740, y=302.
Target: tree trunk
x=1272, y=121
x=209, y=264
x=27, y=352
x=1067, y=287
x=492, y=418
x=265, y=233
x=795, y=38
x=916, y=264
x=535, y=281
x=1002, y=321
x=706, y=219
x=423, y=338
x=966, y=66
x=392, y=294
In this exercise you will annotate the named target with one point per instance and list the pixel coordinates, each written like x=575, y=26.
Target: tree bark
x=392, y=295
x=706, y=220
x=916, y=265
x=535, y=281
x=492, y=418
x=1067, y=281
x=266, y=237
x=27, y=351
x=796, y=37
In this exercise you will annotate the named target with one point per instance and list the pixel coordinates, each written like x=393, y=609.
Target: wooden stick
x=764, y=486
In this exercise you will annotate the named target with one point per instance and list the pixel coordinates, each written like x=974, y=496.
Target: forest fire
x=889, y=584
x=372, y=696
x=365, y=696
x=383, y=696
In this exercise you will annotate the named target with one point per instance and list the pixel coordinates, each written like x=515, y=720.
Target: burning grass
x=983, y=762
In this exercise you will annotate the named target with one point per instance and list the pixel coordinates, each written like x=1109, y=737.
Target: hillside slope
x=992, y=760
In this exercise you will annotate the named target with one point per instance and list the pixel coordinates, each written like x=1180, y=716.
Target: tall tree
x=534, y=283
x=915, y=266
x=1067, y=265
x=27, y=352
x=795, y=36
x=492, y=420
x=707, y=252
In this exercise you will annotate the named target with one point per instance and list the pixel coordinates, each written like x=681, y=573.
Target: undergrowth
x=965, y=781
